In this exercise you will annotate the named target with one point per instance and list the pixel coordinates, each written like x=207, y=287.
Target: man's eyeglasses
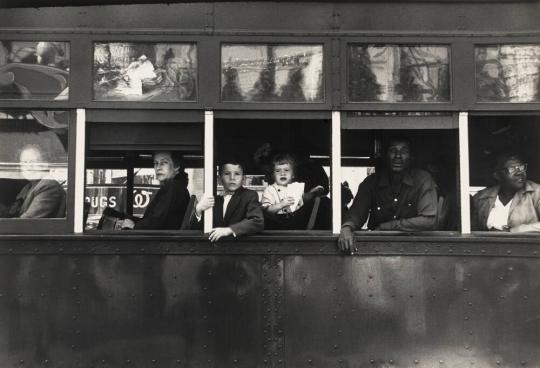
x=515, y=169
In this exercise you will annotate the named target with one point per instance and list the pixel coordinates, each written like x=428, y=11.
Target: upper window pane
x=160, y=72
x=33, y=70
x=272, y=73
x=507, y=73
x=390, y=73
x=33, y=164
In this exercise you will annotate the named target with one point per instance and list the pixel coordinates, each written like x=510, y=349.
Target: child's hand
x=286, y=202
x=219, y=232
x=205, y=203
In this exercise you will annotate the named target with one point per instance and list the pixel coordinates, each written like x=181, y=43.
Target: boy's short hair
x=283, y=158
x=230, y=161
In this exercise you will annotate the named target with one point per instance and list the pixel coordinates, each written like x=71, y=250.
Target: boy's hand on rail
x=346, y=240
x=205, y=203
x=219, y=232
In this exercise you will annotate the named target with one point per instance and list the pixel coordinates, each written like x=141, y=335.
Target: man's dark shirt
x=414, y=208
x=167, y=208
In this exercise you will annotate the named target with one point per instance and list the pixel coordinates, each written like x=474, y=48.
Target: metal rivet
x=416, y=361
x=128, y=361
x=178, y=361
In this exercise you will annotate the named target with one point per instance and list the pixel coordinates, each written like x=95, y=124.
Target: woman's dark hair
x=176, y=157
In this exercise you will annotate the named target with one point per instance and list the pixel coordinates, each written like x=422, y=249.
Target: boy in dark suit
x=238, y=211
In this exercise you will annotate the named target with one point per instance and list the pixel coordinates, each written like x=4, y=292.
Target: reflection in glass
x=161, y=72
x=388, y=73
x=271, y=73
x=33, y=164
x=508, y=73
x=34, y=70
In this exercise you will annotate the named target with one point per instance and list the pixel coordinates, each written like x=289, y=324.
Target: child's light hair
x=282, y=159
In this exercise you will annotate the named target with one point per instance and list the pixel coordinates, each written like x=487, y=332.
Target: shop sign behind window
x=33, y=164
x=31, y=70
x=159, y=72
x=390, y=73
x=272, y=73
x=508, y=73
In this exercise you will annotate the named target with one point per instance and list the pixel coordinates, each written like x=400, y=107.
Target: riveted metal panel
x=134, y=310
x=411, y=311
x=166, y=301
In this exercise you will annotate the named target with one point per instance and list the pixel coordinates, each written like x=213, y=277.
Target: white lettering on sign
x=101, y=202
x=141, y=200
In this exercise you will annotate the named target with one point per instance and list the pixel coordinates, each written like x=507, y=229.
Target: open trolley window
x=424, y=197
x=122, y=181
x=504, y=172
x=285, y=158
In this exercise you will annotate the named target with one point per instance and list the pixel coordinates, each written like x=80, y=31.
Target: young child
x=285, y=196
x=238, y=211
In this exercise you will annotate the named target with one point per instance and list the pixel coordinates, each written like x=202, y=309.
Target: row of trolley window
x=65, y=171
x=269, y=72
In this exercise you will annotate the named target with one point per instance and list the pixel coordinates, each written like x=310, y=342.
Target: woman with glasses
x=513, y=204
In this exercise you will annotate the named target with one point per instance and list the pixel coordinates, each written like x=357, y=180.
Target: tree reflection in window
x=508, y=73
x=386, y=73
x=272, y=73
